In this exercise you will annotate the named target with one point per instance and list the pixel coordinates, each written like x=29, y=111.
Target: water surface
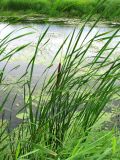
x=53, y=40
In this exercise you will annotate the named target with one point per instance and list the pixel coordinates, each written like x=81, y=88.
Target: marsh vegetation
x=65, y=107
x=110, y=9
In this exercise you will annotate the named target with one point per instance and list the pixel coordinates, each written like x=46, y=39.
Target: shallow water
x=54, y=38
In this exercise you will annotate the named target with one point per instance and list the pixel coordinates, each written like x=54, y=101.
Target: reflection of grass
x=61, y=118
x=63, y=7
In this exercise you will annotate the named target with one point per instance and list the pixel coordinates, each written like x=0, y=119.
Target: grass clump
x=61, y=126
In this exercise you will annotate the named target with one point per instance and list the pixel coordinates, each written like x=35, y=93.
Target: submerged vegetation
x=110, y=9
x=65, y=122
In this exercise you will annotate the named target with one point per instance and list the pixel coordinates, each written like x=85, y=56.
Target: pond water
x=54, y=38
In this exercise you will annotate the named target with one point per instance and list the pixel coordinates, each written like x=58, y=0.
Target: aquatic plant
x=68, y=104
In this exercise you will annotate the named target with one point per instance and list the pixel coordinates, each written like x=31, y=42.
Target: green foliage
x=62, y=125
x=99, y=145
x=69, y=8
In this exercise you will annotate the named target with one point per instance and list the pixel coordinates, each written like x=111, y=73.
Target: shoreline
x=42, y=18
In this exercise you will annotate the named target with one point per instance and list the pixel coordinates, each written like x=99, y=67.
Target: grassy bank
x=65, y=8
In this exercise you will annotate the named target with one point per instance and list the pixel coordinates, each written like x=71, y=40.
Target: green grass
x=63, y=125
x=65, y=8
